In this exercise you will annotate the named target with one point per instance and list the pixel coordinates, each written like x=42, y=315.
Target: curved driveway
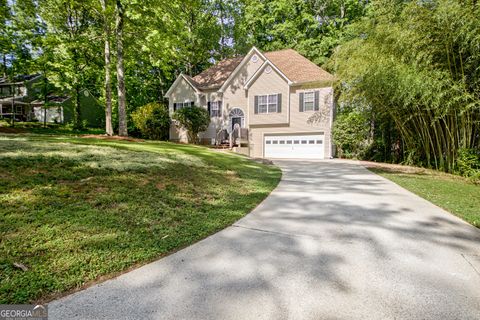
x=333, y=241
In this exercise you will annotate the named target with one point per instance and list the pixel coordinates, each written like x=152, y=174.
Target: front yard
x=452, y=193
x=73, y=210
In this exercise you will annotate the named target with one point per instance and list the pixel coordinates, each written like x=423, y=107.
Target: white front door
x=302, y=146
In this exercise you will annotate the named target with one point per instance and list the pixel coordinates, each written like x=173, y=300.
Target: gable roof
x=296, y=67
x=217, y=74
x=260, y=70
x=291, y=64
x=188, y=79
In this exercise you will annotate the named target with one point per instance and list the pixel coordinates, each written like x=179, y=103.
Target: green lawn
x=75, y=209
x=51, y=128
x=452, y=193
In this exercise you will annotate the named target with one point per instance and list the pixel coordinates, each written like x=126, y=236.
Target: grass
x=51, y=128
x=452, y=193
x=73, y=210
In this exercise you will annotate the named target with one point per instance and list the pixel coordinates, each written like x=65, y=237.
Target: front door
x=236, y=120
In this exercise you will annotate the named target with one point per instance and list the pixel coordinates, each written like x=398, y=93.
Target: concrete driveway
x=333, y=241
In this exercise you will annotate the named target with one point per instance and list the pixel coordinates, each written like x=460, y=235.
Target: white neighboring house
x=273, y=104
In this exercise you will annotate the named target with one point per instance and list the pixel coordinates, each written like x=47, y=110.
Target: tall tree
x=416, y=64
x=122, y=107
x=75, y=62
x=108, y=84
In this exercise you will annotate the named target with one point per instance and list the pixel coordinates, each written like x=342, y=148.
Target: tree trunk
x=122, y=114
x=45, y=97
x=13, y=105
x=5, y=65
x=77, y=115
x=108, y=86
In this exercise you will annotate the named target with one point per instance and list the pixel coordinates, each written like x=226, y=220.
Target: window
x=263, y=104
x=282, y=141
x=269, y=142
x=289, y=141
x=304, y=141
x=296, y=141
x=319, y=141
x=272, y=103
x=180, y=105
x=268, y=103
x=215, y=109
x=275, y=142
x=311, y=141
x=308, y=101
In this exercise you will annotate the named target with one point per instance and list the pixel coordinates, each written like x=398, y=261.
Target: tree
x=75, y=60
x=122, y=103
x=350, y=133
x=152, y=120
x=314, y=28
x=194, y=120
x=416, y=64
x=108, y=84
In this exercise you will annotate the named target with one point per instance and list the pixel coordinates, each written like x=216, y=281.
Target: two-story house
x=283, y=100
x=22, y=99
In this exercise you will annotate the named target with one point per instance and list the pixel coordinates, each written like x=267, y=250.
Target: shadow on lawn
x=86, y=212
x=302, y=253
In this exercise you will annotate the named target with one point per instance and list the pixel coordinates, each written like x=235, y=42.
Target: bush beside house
x=152, y=120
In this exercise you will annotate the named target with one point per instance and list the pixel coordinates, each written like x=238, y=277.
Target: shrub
x=468, y=164
x=194, y=120
x=350, y=133
x=152, y=120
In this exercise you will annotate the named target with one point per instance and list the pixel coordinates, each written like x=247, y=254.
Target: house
x=61, y=109
x=273, y=104
x=21, y=99
x=14, y=96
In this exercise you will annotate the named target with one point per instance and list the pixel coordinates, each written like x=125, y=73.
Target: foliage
x=314, y=28
x=350, y=132
x=74, y=209
x=468, y=163
x=452, y=193
x=152, y=120
x=416, y=64
x=192, y=119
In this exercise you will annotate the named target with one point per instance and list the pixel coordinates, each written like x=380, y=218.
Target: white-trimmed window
x=180, y=105
x=262, y=104
x=268, y=103
x=309, y=101
x=215, y=110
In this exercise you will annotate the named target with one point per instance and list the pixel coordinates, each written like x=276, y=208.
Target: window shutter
x=256, y=105
x=192, y=104
x=219, y=108
x=300, y=101
x=317, y=97
x=209, y=108
x=174, y=106
x=279, y=102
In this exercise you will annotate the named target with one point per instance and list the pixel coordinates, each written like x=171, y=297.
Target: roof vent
x=254, y=58
x=268, y=69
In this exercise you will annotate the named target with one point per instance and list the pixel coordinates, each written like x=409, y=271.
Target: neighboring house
x=26, y=105
x=282, y=102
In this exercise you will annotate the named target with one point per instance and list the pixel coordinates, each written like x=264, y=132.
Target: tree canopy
x=408, y=68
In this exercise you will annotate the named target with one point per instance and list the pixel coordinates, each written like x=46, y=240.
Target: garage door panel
x=294, y=146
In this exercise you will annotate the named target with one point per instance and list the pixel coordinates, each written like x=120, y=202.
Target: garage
x=303, y=146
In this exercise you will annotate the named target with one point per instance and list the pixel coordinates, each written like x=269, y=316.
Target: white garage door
x=295, y=146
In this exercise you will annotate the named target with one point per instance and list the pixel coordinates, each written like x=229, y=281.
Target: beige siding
x=268, y=83
x=298, y=122
x=181, y=93
x=235, y=96
x=215, y=123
